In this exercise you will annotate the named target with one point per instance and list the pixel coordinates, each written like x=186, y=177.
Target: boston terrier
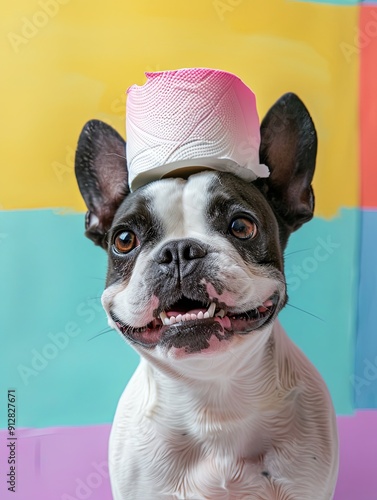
x=223, y=405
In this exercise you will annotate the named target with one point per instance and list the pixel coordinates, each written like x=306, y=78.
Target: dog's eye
x=125, y=241
x=243, y=228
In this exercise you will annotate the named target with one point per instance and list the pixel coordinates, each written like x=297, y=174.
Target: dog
x=223, y=404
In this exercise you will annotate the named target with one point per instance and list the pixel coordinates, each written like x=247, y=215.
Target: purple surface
x=70, y=463
x=358, y=457
x=59, y=463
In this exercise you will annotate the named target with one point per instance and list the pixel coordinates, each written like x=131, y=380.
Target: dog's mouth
x=186, y=310
x=190, y=323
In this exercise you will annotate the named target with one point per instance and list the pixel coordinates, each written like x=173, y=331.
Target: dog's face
x=196, y=265
x=192, y=263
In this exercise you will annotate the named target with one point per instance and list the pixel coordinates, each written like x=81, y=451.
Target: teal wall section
x=321, y=267
x=51, y=280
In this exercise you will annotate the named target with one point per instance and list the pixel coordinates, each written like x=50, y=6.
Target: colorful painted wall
x=66, y=61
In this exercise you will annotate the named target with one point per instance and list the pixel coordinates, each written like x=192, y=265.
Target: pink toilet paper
x=190, y=118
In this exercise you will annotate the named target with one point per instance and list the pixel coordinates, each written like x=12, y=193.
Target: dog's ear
x=101, y=172
x=289, y=149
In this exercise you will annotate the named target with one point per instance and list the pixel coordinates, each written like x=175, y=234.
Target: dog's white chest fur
x=213, y=440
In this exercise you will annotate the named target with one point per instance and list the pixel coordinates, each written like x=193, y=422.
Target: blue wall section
x=365, y=379
x=65, y=378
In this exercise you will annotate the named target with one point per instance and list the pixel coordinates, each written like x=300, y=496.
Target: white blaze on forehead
x=180, y=204
x=166, y=204
x=195, y=202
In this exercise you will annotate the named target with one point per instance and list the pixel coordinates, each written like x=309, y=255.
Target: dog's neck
x=225, y=388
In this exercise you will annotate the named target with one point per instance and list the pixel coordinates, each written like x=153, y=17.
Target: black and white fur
x=223, y=407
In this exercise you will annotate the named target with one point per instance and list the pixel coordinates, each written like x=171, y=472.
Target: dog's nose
x=181, y=255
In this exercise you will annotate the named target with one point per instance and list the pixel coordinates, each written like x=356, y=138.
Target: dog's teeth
x=268, y=303
x=211, y=310
x=163, y=316
x=165, y=320
x=181, y=318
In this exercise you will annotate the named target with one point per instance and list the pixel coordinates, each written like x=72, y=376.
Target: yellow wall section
x=85, y=53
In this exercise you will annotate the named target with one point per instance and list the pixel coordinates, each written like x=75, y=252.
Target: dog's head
x=196, y=264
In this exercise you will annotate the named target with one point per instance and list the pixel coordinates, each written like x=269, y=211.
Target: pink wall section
x=368, y=106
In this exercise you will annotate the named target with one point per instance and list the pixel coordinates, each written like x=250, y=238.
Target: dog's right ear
x=102, y=176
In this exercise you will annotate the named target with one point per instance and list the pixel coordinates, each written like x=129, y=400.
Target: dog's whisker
x=107, y=330
x=297, y=251
x=306, y=312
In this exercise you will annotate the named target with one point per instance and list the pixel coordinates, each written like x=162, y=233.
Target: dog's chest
x=168, y=456
x=180, y=467
x=212, y=474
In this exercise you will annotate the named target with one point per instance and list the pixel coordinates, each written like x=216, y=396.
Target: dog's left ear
x=102, y=176
x=289, y=149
